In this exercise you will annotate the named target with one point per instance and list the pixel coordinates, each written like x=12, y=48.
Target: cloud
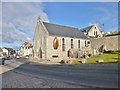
x=104, y=16
x=10, y=33
x=106, y=12
x=28, y=39
x=19, y=20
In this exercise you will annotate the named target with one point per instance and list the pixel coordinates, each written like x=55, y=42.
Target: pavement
x=14, y=63
x=42, y=61
x=87, y=75
x=36, y=75
x=13, y=78
x=10, y=64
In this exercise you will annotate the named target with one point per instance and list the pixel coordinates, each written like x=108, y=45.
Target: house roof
x=27, y=44
x=9, y=49
x=86, y=29
x=66, y=31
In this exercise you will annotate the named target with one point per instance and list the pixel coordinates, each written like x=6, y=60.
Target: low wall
x=111, y=43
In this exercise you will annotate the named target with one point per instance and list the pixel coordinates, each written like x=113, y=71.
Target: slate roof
x=86, y=29
x=66, y=31
x=9, y=49
x=27, y=44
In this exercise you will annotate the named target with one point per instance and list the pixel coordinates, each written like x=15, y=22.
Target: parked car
x=27, y=56
x=2, y=59
x=18, y=57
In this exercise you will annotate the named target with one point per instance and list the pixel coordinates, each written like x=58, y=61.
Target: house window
x=95, y=27
x=94, y=32
x=88, y=42
x=71, y=43
x=55, y=56
x=63, y=44
x=78, y=43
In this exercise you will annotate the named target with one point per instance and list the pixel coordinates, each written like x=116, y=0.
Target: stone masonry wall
x=111, y=43
x=50, y=51
x=39, y=41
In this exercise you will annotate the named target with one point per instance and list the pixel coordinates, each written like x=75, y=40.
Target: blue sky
x=19, y=19
x=82, y=14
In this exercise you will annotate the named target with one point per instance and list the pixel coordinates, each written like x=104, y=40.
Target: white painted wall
x=94, y=29
x=5, y=51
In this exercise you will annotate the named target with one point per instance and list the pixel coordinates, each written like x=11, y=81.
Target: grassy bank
x=107, y=57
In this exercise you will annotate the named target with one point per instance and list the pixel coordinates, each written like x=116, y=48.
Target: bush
x=62, y=61
x=89, y=55
x=111, y=52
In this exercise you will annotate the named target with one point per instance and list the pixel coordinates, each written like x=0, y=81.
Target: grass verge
x=112, y=57
x=107, y=57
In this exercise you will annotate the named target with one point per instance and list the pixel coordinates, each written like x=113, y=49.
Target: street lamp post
x=103, y=27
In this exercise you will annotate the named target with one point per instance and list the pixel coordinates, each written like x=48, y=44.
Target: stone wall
x=39, y=41
x=110, y=43
x=50, y=51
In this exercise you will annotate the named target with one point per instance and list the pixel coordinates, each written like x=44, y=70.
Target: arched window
x=71, y=43
x=63, y=44
x=55, y=43
x=78, y=43
x=85, y=43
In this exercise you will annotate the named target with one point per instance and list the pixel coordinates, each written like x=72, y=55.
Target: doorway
x=40, y=53
x=69, y=54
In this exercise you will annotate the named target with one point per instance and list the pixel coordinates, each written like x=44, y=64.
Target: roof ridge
x=61, y=25
x=86, y=27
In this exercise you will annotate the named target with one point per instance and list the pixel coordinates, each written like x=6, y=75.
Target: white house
x=26, y=49
x=1, y=52
x=5, y=51
x=92, y=31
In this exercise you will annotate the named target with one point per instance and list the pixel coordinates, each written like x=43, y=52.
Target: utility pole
x=103, y=27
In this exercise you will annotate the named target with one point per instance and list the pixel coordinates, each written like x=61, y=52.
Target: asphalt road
x=84, y=75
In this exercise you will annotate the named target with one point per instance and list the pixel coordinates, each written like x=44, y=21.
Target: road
x=59, y=76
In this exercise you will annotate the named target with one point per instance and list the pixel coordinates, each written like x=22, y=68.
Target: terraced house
x=58, y=41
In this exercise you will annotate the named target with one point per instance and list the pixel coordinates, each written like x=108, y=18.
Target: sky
x=19, y=19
